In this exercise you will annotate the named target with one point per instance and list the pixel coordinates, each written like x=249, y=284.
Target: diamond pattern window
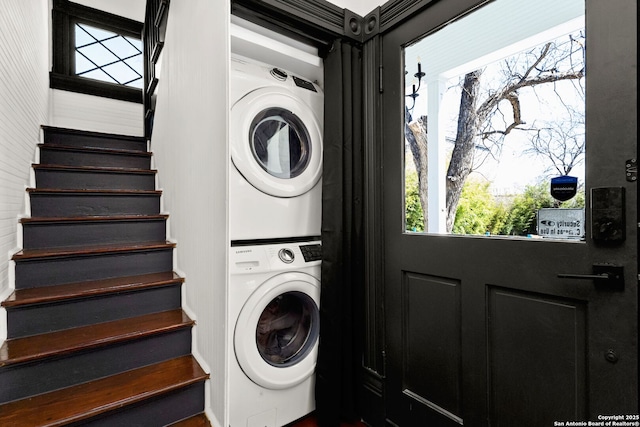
x=108, y=56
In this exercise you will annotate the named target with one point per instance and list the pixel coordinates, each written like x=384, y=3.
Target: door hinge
x=380, y=87
x=631, y=169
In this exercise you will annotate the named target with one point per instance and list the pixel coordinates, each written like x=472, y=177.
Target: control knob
x=286, y=255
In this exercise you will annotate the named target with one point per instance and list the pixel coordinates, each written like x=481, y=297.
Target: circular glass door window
x=275, y=141
x=280, y=143
x=287, y=329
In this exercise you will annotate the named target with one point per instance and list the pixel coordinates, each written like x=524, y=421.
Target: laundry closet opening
x=275, y=206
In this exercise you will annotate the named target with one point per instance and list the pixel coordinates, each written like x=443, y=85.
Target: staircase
x=96, y=333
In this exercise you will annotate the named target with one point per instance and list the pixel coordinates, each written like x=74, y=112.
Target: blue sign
x=564, y=187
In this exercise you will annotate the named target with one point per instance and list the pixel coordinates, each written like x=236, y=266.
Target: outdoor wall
x=189, y=143
x=24, y=102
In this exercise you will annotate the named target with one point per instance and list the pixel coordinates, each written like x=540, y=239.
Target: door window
x=287, y=329
x=491, y=123
x=280, y=143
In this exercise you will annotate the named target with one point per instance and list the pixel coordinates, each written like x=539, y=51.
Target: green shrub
x=414, y=218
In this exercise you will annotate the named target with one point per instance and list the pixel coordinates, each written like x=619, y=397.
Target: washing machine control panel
x=275, y=257
x=311, y=252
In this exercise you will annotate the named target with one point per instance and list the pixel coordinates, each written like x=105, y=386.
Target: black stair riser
x=170, y=408
x=81, y=233
x=94, y=180
x=52, y=156
x=42, y=318
x=28, y=379
x=77, y=139
x=50, y=205
x=35, y=273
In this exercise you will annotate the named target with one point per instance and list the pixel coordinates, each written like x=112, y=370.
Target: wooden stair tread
x=57, y=220
x=96, y=191
x=89, y=250
x=44, y=294
x=101, y=150
x=83, y=401
x=36, y=347
x=90, y=133
x=94, y=169
x=199, y=420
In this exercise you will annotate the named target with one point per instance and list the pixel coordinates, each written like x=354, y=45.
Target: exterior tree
x=561, y=143
x=487, y=116
x=415, y=133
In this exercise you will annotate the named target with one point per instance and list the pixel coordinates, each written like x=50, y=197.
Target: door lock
x=608, y=214
x=606, y=275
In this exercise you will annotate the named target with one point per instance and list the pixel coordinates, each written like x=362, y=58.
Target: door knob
x=611, y=276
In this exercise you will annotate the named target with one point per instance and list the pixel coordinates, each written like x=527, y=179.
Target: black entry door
x=508, y=331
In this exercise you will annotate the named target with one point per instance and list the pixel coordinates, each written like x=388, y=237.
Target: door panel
x=485, y=330
x=543, y=335
x=432, y=312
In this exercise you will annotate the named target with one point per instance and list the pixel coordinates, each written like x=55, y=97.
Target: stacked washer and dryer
x=275, y=138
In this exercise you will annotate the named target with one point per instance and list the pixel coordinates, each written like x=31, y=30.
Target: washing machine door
x=276, y=333
x=276, y=142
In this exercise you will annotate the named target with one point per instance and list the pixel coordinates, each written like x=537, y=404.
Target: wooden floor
x=310, y=421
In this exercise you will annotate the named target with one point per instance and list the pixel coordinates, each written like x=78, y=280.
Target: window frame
x=65, y=16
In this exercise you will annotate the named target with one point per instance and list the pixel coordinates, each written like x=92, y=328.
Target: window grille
x=108, y=56
x=96, y=53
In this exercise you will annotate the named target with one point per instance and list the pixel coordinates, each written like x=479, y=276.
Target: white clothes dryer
x=274, y=296
x=275, y=142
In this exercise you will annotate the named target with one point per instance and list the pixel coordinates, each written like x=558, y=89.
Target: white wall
x=94, y=113
x=132, y=9
x=190, y=152
x=24, y=101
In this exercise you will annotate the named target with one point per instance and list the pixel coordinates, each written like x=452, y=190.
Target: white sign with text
x=557, y=223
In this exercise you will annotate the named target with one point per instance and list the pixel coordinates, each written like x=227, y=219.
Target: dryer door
x=276, y=334
x=276, y=142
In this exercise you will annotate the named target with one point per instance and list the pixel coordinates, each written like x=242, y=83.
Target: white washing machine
x=274, y=295
x=275, y=141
